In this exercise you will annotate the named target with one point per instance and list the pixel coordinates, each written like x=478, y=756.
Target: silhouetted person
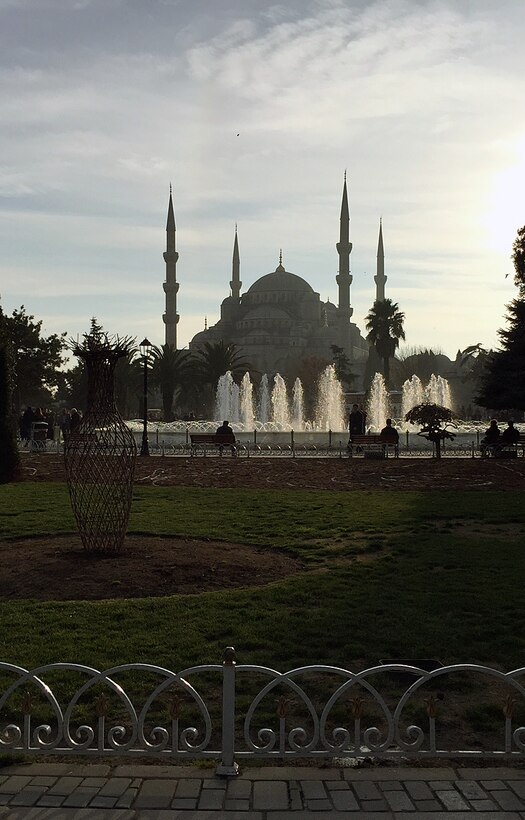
x=491, y=439
x=26, y=423
x=389, y=433
x=356, y=421
x=510, y=435
x=74, y=420
x=224, y=429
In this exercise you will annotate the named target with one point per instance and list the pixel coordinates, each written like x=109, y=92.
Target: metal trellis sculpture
x=100, y=453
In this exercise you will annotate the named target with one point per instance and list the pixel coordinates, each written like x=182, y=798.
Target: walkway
x=96, y=792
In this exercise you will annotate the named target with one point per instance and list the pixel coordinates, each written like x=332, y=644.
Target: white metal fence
x=229, y=712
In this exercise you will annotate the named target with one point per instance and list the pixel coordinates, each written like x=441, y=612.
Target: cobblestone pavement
x=63, y=792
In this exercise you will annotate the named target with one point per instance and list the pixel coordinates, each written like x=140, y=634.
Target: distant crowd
x=44, y=422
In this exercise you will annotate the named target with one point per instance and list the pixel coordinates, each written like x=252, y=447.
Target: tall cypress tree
x=9, y=459
x=503, y=383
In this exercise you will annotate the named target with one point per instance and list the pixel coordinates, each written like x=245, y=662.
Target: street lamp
x=144, y=352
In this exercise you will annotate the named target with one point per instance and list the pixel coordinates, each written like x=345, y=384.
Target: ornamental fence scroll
x=228, y=712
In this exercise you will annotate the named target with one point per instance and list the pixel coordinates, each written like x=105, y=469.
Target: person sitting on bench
x=491, y=439
x=389, y=433
x=224, y=429
x=510, y=435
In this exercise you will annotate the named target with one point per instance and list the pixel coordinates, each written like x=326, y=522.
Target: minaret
x=171, y=287
x=236, y=283
x=380, y=277
x=344, y=278
x=344, y=247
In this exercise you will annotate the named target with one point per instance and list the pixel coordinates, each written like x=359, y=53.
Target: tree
x=503, y=380
x=36, y=359
x=384, y=324
x=214, y=359
x=433, y=419
x=342, y=366
x=170, y=371
x=9, y=459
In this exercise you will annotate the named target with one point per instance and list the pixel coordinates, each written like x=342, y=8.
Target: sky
x=253, y=111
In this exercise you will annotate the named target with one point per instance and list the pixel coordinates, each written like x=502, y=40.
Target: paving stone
x=125, y=800
x=216, y=783
x=491, y=785
x=397, y=773
x=155, y=794
x=184, y=803
x=270, y=795
x=390, y=785
x=99, y=802
x=344, y=801
x=4, y=799
x=374, y=805
x=508, y=800
x=367, y=791
x=65, y=785
x=28, y=796
x=319, y=805
x=238, y=789
x=295, y=796
x=419, y=791
x=398, y=801
x=94, y=782
x=334, y=815
x=188, y=788
x=483, y=805
x=518, y=786
x=37, y=769
x=441, y=785
x=313, y=789
x=80, y=798
x=452, y=800
x=337, y=785
x=291, y=773
x=427, y=805
x=51, y=800
x=43, y=781
x=115, y=787
x=12, y=785
x=237, y=804
x=157, y=772
x=471, y=790
x=490, y=773
x=211, y=799
x=455, y=815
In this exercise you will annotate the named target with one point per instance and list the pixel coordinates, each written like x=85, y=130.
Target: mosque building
x=280, y=321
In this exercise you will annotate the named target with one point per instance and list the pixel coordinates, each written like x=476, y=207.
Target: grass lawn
x=387, y=574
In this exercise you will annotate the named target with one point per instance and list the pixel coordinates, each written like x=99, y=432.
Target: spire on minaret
x=205, y=323
x=171, y=287
x=344, y=248
x=236, y=283
x=380, y=278
x=280, y=267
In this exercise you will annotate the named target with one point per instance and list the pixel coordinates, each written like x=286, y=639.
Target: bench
x=504, y=449
x=203, y=440
x=373, y=445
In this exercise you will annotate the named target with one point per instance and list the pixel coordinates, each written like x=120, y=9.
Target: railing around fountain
x=231, y=711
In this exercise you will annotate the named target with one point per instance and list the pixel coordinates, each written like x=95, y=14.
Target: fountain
x=246, y=402
x=330, y=402
x=264, y=407
x=377, y=407
x=297, y=406
x=281, y=411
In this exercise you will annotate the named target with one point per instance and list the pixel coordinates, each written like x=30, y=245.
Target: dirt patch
x=57, y=569
x=278, y=472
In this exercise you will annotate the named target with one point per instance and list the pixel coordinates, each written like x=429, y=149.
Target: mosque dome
x=278, y=281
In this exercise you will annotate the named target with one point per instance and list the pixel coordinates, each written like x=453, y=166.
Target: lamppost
x=144, y=351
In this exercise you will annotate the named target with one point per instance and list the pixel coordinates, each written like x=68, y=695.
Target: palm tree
x=169, y=371
x=385, y=328
x=214, y=359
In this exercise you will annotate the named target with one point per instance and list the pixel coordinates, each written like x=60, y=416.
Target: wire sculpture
x=100, y=453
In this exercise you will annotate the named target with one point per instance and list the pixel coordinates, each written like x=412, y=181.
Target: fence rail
x=229, y=712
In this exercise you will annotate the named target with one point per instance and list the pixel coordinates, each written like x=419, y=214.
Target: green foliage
x=384, y=324
x=503, y=381
x=9, y=459
x=213, y=360
x=171, y=369
x=343, y=370
x=36, y=359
